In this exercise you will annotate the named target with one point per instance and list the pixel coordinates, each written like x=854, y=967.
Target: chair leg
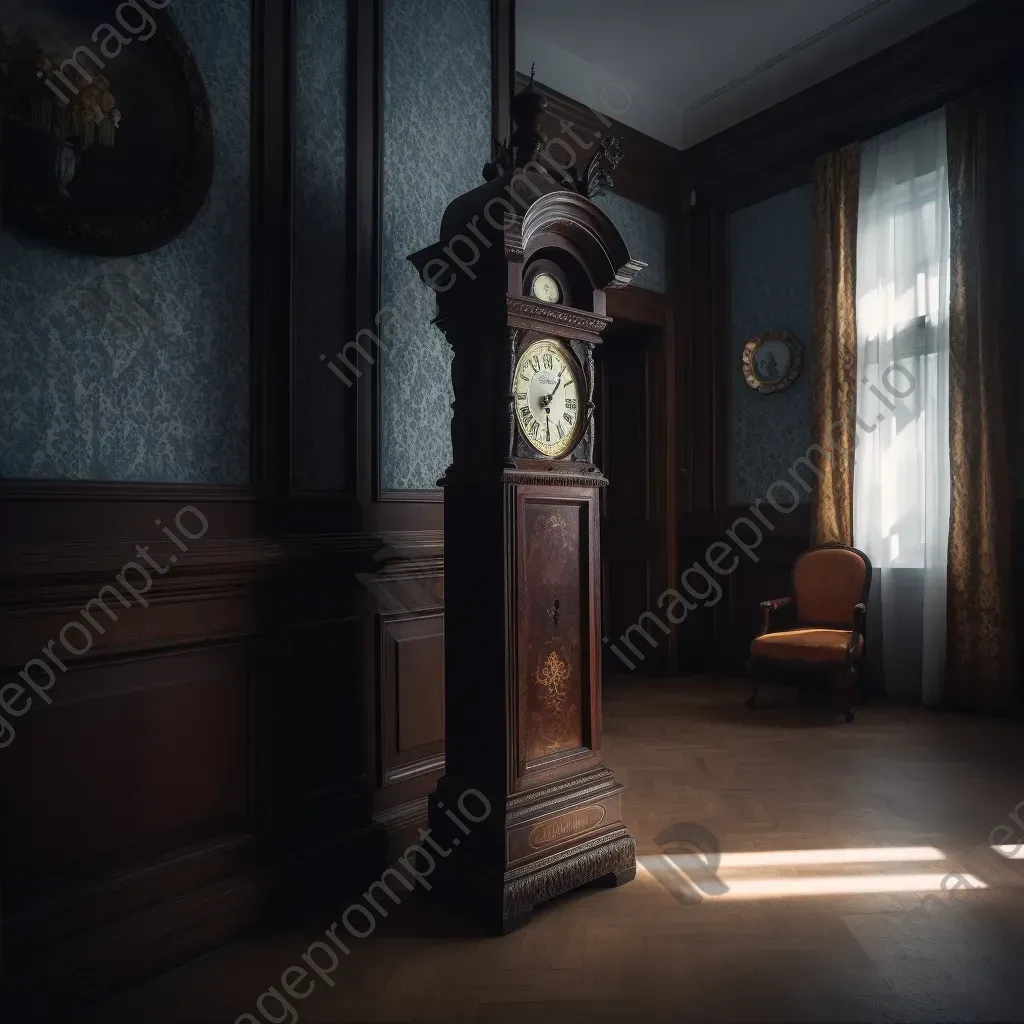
x=752, y=699
x=863, y=697
x=845, y=685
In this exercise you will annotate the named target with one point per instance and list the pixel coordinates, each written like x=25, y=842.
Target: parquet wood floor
x=769, y=781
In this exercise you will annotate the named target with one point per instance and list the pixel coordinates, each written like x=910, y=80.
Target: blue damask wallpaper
x=437, y=131
x=770, y=246
x=643, y=231
x=320, y=398
x=1016, y=180
x=137, y=369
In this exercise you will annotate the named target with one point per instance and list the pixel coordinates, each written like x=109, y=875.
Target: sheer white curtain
x=901, y=470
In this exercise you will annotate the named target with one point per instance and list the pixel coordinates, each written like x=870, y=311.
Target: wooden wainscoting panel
x=420, y=653
x=99, y=623
x=325, y=733
x=130, y=754
x=412, y=695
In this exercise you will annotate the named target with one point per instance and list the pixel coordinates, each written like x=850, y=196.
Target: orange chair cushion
x=827, y=583
x=814, y=645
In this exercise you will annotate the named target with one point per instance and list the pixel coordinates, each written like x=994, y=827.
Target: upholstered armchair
x=827, y=629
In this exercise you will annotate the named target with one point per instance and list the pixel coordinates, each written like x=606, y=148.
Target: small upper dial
x=547, y=396
x=545, y=287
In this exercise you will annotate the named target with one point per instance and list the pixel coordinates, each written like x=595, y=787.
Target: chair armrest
x=860, y=613
x=772, y=606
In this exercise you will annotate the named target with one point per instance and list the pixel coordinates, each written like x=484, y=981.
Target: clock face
x=549, y=400
x=545, y=287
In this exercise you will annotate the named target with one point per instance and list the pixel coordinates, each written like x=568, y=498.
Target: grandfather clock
x=525, y=807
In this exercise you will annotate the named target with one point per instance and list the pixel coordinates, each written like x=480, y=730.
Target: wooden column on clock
x=540, y=814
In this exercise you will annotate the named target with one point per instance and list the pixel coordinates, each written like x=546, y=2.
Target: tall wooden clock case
x=520, y=275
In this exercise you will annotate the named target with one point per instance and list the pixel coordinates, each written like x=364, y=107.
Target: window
x=901, y=472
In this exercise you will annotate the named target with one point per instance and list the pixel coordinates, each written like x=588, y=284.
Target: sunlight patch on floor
x=784, y=873
x=795, y=858
x=1010, y=852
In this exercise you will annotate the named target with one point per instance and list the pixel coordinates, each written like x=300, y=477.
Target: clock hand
x=558, y=384
x=549, y=427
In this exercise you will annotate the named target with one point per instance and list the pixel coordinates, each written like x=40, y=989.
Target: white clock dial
x=549, y=402
x=545, y=287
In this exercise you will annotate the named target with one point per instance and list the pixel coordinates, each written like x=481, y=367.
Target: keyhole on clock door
x=554, y=615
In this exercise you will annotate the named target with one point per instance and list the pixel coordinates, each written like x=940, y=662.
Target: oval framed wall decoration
x=108, y=148
x=772, y=361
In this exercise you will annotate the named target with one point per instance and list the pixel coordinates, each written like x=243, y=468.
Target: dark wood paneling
x=703, y=362
x=412, y=695
x=205, y=751
x=272, y=244
x=774, y=150
x=648, y=172
x=139, y=750
x=365, y=60
x=49, y=514
x=325, y=731
x=553, y=613
x=645, y=335
x=635, y=534
x=1018, y=581
x=503, y=65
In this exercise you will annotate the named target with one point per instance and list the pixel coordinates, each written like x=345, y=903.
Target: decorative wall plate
x=772, y=361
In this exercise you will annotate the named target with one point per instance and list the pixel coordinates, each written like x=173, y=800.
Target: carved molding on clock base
x=505, y=903
x=609, y=859
x=474, y=877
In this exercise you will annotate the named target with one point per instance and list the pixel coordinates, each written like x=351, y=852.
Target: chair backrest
x=827, y=582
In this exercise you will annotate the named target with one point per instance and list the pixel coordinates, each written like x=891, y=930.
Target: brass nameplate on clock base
x=575, y=845
x=565, y=826
x=562, y=828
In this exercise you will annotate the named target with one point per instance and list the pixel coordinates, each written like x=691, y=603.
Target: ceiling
x=682, y=71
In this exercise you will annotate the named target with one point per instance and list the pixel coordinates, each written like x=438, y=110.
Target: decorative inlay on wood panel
x=554, y=719
x=552, y=604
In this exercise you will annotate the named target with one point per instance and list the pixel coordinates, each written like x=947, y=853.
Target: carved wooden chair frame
x=849, y=672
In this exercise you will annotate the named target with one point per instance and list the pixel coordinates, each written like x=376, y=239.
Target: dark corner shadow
x=427, y=915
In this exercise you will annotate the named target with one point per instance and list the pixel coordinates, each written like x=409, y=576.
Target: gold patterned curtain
x=980, y=647
x=834, y=342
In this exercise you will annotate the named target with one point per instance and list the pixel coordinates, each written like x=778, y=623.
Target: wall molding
x=774, y=150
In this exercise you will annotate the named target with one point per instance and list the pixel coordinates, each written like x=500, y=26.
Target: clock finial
x=527, y=138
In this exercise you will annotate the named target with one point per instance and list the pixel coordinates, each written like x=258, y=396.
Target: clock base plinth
x=475, y=878
x=607, y=862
